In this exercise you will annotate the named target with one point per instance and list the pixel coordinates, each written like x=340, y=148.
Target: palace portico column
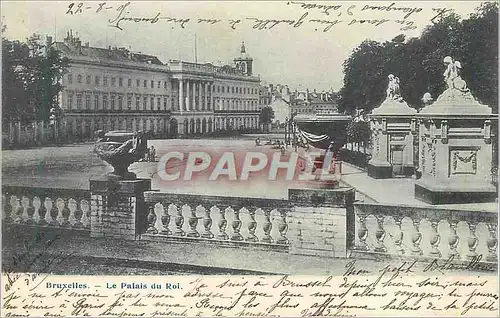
x=181, y=95
x=188, y=97
x=206, y=97
x=212, y=97
x=194, y=96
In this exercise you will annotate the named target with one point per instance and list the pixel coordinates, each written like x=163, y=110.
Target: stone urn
x=120, y=149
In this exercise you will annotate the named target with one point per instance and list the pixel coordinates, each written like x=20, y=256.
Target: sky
x=300, y=45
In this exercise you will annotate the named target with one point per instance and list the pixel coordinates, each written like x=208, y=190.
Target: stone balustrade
x=60, y=208
x=425, y=232
x=238, y=220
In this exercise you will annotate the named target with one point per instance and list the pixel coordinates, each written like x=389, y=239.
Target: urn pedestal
x=393, y=128
x=455, y=141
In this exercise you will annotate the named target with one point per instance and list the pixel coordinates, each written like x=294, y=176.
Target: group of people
x=150, y=154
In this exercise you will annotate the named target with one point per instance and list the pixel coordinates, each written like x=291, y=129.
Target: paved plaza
x=72, y=166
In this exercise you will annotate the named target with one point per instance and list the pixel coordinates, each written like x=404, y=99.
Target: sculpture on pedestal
x=452, y=75
x=454, y=136
x=120, y=149
x=392, y=130
x=393, y=89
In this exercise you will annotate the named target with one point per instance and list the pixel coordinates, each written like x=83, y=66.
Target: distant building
x=307, y=102
x=117, y=89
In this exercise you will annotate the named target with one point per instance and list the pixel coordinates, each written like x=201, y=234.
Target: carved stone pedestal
x=392, y=126
x=117, y=207
x=455, y=150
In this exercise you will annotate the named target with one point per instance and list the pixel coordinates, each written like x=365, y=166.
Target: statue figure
x=393, y=89
x=452, y=75
x=120, y=149
x=427, y=99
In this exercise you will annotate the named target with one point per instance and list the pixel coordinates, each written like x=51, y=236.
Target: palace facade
x=116, y=89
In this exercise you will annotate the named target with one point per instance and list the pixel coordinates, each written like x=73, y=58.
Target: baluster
x=398, y=238
x=42, y=212
x=282, y=229
x=193, y=223
x=7, y=208
x=179, y=221
x=19, y=211
x=416, y=238
x=362, y=233
x=151, y=219
x=78, y=214
x=72, y=207
x=267, y=227
x=59, y=205
x=380, y=234
x=252, y=226
x=435, y=239
x=36, y=209
x=236, y=225
x=26, y=215
x=207, y=224
x=85, y=208
x=65, y=212
x=472, y=241
x=492, y=242
x=222, y=225
x=51, y=212
x=453, y=239
x=165, y=220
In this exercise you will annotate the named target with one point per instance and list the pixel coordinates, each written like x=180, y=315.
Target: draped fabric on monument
x=317, y=141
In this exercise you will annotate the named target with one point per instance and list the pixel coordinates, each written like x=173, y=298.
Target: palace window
x=165, y=85
x=78, y=101
x=152, y=105
x=129, y=82
x=105, y=81
x=113, y=81
x=70, y=78
x=173, y=102
x=79, y=78
x=129, y=102
x=152, y=84
x=113, y=100
x=87, y=100
x=97, y=80
x=159, y=84
x=144, y=103
x=70, y=100
x=96, y=101
x=120, y=102
x=137, y=102
x=105, y=101
x=120, y=82
x=88, y=79
x=158, y=102
x=165, y=98
x=232, y=90
x=145, y=83
x=138, y=82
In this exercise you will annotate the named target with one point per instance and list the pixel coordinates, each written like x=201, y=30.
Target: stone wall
x=321, y=222
x=117, y=208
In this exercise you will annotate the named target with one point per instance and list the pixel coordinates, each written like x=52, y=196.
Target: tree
x=418, y=62
x=31, y=79
x=42, y=76
x=266, y=115
x=14, y=102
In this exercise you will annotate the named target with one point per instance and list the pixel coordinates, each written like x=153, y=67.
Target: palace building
x=116, y=89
